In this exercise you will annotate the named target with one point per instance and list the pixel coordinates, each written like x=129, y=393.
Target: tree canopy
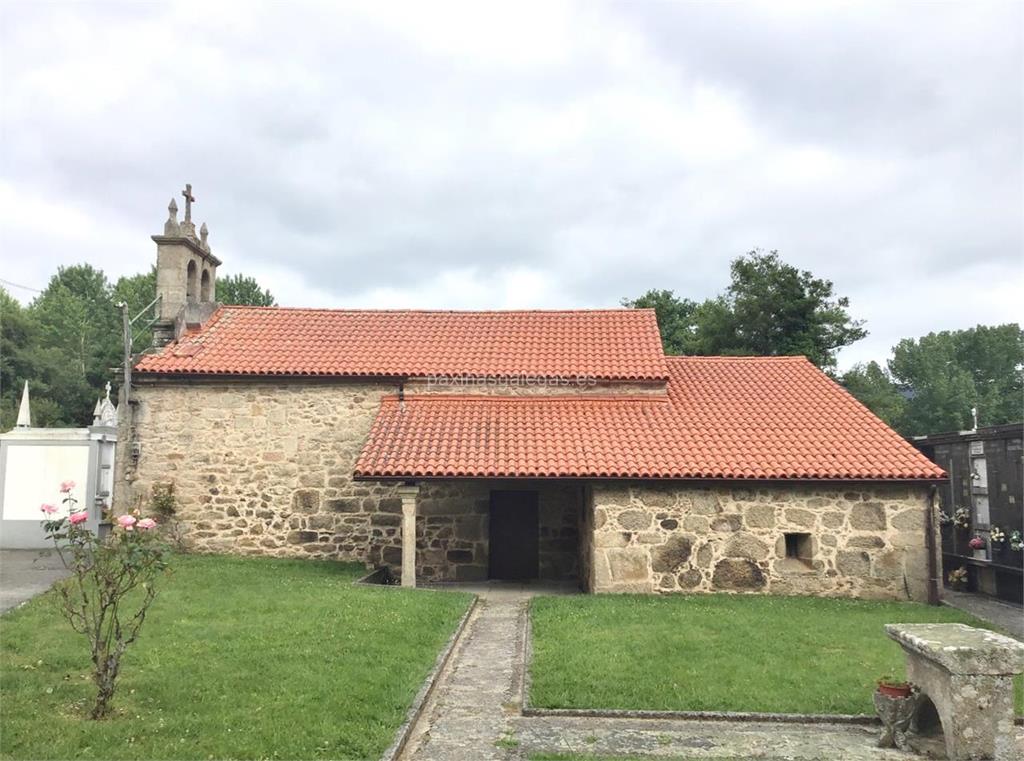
x=939, y=377
x=244, y=290
x=770, y=308
x=874, y=388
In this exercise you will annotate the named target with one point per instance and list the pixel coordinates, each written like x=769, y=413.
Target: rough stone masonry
x=865, y=540
x=263, y=467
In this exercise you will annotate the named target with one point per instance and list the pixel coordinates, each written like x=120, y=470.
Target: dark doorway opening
x=514, y=535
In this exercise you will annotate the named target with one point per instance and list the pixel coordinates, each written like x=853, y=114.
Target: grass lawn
x=718, y=652
x=239, y=658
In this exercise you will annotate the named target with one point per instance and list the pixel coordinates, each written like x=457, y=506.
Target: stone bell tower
x=186, y=274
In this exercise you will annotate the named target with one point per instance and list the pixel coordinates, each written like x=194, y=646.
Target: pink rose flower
x=146, y=523
x=67, y=486
x=48, y=509
x=79, y=517
x=126, y=522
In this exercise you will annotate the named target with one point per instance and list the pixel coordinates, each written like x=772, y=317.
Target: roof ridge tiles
x=511, y=398
x=375, y=310
x=741, y=358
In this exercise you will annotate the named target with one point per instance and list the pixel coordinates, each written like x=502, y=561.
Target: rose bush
x=95, y=599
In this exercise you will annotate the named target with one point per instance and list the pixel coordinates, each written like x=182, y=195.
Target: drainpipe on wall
x=933, y=572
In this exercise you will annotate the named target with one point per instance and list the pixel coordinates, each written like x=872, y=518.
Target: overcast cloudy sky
x=515, y=154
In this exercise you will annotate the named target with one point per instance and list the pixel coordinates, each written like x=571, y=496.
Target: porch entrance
x=514, y=536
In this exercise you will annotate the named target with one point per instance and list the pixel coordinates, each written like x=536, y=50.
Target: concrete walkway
x=26, y=573
x=476, y=693
x=1009, y=618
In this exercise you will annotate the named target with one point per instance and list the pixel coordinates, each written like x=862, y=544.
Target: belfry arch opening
x=191, y=288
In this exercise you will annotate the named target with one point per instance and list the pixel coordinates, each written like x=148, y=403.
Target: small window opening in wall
x=798, y=547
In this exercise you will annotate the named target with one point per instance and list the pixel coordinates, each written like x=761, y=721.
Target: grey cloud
x=602, y=150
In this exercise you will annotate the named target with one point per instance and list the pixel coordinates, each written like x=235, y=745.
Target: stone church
x=531, y=444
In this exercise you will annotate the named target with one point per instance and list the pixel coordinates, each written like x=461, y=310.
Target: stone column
x=408, y=493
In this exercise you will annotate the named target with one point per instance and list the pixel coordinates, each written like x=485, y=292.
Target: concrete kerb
x=413, y=714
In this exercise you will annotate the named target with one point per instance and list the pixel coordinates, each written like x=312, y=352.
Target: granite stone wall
x=262, y=468
x=860, y=540
x=265, y=468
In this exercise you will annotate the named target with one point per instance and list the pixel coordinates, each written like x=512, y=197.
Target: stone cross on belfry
x=189, y=200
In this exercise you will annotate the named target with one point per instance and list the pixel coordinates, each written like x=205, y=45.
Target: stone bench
x=965, y=676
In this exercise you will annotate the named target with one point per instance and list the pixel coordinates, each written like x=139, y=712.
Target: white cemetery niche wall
x=34, y=475
x=33, y=464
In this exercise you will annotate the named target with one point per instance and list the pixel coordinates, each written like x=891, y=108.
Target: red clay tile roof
x=730, y=418
x=613, y=344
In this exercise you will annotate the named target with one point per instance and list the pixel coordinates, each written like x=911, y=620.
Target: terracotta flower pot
x=894, y=689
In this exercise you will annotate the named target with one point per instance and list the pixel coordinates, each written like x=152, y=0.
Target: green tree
x=138, y=292
x=78, y=339
x=950, y=372
x=769, y=308
x=871, y=384
x=994, y=356
x=22, y=359
x=779, y=310
x=16, y=337
x=676, y=319
x=243, y=290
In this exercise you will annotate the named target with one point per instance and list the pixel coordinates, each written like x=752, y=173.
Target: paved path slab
x=26, y=573
x=683, y=739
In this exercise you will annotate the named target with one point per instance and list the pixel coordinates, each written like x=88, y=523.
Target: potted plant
x=892, y=687
x=997, y=538
x=958, y=578
x=895, y=701
x=976, y=543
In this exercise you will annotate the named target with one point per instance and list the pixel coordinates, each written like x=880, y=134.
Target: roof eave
x=923, y=480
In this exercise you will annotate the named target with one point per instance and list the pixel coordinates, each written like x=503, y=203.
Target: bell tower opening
x=191, y=292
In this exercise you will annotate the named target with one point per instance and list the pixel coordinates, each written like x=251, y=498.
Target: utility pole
x=126, y=329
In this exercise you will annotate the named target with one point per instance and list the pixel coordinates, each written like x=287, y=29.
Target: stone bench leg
x=976, y=710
